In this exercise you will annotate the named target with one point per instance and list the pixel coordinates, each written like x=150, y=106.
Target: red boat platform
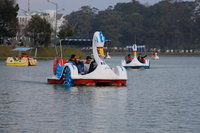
x=92, y=82
x=55, y=80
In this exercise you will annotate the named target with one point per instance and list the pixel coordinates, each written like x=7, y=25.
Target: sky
x=74, y=5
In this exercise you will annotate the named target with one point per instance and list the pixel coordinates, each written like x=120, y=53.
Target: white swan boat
x=103, y=75
x=155, y=56
x=135, y=63
x=108, y=56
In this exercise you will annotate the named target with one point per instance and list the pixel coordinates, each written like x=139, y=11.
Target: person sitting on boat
x=73, y=59
x=80, y=65
x=128, y=58
x=141, y=58
x=87, y=64
x=93, y=66
x=23, y=55
x=16, y=58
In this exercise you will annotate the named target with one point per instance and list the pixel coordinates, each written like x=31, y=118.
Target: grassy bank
x=42, y=53
x=50, y=52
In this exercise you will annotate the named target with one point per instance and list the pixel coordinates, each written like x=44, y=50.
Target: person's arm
x=144, y=56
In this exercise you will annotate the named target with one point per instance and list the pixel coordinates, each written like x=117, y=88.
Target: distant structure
x=25, y=16
x=28, y=5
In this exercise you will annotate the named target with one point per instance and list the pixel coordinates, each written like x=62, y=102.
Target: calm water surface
x=163, y=99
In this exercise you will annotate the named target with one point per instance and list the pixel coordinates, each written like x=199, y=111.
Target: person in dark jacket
x=141, y=58
x=73, y=59
x=80, y=65
x=92, y=67
x=128, y=58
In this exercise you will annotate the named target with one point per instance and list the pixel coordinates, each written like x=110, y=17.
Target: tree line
x=166, y=24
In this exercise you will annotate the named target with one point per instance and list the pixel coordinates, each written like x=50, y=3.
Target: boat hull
x=100, y=82
x=55, y=81
x=155, y=58
x=21, y=62
x=11, y=61
x=32, y=62
x=137, y=67
x=135, y=64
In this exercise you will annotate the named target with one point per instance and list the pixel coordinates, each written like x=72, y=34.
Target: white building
x=49, y=15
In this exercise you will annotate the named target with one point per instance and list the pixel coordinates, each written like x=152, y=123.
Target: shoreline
x=148, y=55
x=48, y=53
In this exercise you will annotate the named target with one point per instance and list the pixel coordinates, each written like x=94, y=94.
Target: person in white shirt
x=87, y=64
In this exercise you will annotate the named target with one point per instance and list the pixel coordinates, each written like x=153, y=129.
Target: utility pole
x=54, y=3
x=28, y=5
x=55, y=16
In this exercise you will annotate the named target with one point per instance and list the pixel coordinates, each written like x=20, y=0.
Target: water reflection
x=92, y=109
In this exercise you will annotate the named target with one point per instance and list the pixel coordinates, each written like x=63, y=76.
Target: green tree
x=166, y=24
x=132, y=14
x=66, y=30
x=39, y=30
x=110, y=23
x=8, y=18
x=171, y=24
x=81, y=21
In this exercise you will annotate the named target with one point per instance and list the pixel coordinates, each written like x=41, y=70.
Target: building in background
x=50, y=15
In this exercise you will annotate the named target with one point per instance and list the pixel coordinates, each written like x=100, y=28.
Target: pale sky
x=74, y=5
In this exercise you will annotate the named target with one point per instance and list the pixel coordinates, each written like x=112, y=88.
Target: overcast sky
x=74, y=5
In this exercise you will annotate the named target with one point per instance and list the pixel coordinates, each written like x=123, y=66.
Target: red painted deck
x=92, y=82
x=55, y=81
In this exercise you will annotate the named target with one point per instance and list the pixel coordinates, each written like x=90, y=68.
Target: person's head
x=73, y=57
x=88, y=58
x=140, y=54
x=129, y=55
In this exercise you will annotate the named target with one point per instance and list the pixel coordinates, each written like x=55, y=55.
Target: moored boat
x=22, y=60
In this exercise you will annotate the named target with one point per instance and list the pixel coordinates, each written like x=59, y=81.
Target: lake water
x=162, y=99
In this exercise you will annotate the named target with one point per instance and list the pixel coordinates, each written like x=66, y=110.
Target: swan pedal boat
x=103, y=75
x=155, y=56
x=135, y=63
x=108, y=56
